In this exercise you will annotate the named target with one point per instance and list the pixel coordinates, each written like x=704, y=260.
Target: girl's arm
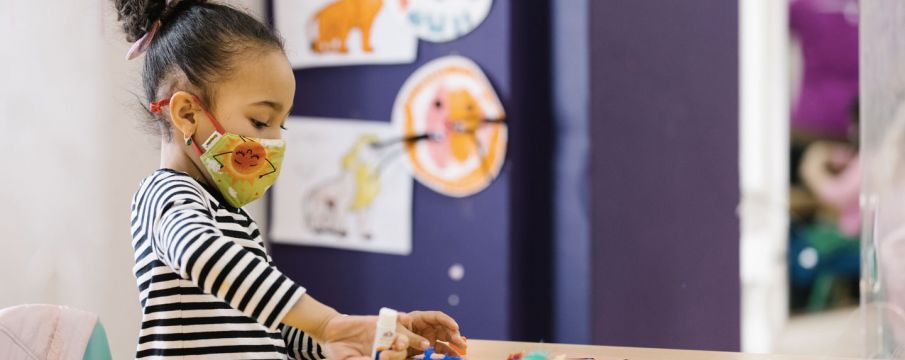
x=186, y=238
x=302, y=346
x=310, y=316
x=347, y=337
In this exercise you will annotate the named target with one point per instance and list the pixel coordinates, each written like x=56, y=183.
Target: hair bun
x=138, y=15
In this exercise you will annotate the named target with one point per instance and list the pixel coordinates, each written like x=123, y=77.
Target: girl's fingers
x=434, y=318
x=446, y=321
x=401, y=343
x=457, y=340
x=393, y=355
x=451, y=333
x=442, y=348
x=405, y=320
x=399, y=350
x=414, y=340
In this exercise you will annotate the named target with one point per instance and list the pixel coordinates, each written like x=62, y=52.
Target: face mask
x=242, y=167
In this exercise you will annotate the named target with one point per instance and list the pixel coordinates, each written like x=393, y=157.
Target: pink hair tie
x=141, y=45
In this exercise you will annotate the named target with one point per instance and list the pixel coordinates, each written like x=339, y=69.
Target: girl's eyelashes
x=258, y=124
x=262, y=124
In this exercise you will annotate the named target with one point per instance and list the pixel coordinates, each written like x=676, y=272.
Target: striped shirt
x=207, y=287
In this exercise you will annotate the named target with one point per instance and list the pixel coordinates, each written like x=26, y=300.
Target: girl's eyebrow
x=272, y=104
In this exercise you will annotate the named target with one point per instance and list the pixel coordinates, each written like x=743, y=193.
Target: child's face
x=255, y=100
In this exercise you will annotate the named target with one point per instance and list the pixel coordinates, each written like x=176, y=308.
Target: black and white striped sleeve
x=300, y=346
x=186, y=238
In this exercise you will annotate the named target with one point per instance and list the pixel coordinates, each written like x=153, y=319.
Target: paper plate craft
x=451, y=104
x=445, y=20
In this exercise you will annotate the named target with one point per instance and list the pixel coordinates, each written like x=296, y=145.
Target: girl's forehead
x=267, y=75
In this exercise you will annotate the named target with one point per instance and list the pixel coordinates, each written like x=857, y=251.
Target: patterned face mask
x=242, y=167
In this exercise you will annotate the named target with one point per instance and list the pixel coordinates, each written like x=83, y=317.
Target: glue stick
x=386, y=331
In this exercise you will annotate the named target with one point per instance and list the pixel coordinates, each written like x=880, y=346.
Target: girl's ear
x=184, y=109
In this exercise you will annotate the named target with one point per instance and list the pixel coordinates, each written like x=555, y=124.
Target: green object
x=98, y=348
x=243, y=168
x=820, y=293
x=828, y=241
x=536, y=355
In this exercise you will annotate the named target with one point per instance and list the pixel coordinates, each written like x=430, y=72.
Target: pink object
x=45, y=332
x=141, y=45
x=848, y=188
x=843, y=191
x=438, y=149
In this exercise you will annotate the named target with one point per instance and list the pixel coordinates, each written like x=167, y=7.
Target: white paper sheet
x=333, y=32
x=336, y=190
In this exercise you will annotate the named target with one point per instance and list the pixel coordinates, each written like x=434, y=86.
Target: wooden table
x=500, y=350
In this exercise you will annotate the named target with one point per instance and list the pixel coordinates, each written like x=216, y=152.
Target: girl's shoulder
x=164, y=182
x=165, y=177
x=167, y=181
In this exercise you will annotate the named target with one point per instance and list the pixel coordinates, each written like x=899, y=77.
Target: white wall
x=764, y=146
x=74, y=154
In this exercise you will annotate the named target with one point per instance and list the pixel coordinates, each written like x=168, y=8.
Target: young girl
x=219, y=89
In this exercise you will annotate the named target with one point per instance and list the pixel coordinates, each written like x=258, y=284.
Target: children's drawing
x=445, y=20
x=451, y=101
x=328, y=206
x=343, y=185
x=336, y=20
x=344, y=32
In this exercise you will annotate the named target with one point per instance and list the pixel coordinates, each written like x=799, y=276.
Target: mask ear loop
x=157, y=106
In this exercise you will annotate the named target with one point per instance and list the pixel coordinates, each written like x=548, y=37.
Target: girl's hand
x=435, y=325
x=352, y=337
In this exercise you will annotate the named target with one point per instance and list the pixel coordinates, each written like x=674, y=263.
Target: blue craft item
x=430, y=353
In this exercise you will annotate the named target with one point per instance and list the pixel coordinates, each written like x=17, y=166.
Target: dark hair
x=197, y=39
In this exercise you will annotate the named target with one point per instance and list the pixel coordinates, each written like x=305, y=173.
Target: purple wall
x=499, y=235
x=664, y=173
x=648, y=258
x=570, y=66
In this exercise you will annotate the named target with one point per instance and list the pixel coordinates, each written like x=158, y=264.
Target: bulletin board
x=467, y=253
